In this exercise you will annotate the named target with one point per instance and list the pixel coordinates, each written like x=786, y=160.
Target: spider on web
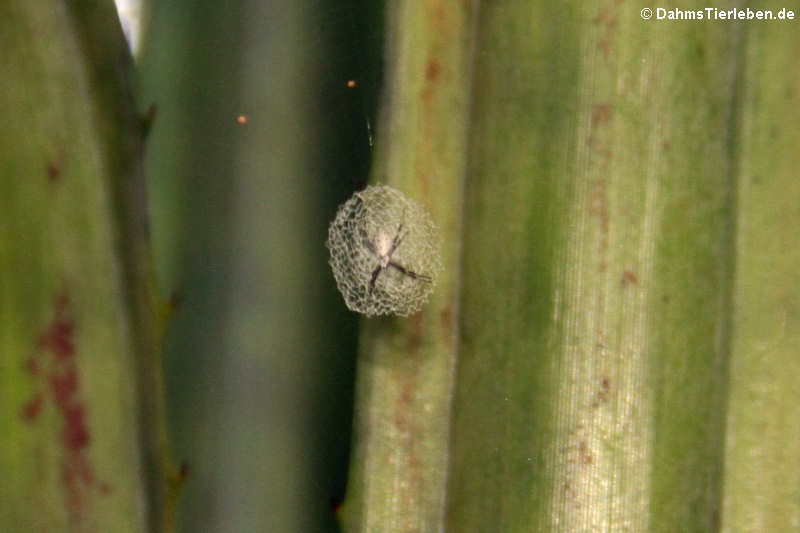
x=377, y=231
x=383, y=248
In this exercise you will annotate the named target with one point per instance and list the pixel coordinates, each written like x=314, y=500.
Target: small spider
x=383, y=248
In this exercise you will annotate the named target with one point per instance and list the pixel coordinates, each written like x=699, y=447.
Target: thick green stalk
x=405, y=370
x=241, y=206
x=762, y=485
x=596, y=297
x=82, y=449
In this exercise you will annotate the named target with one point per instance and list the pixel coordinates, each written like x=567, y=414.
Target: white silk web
x=385, y=252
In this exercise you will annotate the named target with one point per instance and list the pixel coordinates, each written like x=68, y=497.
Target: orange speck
x=351, y=83
x=241, y=119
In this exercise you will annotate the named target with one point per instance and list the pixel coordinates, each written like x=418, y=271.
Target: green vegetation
x=612, y=344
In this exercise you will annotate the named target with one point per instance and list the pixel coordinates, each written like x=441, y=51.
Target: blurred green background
x=260, y=356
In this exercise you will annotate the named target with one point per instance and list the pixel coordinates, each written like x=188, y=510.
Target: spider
x=383, y=248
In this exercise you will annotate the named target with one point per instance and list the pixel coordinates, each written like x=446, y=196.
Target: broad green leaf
x=80, y=449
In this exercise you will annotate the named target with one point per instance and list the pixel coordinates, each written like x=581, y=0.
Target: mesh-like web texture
x=384, y=252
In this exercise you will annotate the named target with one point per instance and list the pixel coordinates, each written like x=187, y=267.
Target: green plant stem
x=405, y=369
x=762, y=486
x=596, y=307
x=111, y=77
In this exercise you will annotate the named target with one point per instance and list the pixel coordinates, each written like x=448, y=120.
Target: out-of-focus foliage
x=257, y=139
x=612, y=345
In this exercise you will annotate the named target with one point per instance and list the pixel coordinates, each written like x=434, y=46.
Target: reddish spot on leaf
x=601, y=114
x=446, y=316
x=75, y=435
x=629, y=276
x=76, y=477
x=601, y=396
x=433, y=70
x=30, y=411
x=64, y=385
x=179, y=478
x=53, y=172
x=58, y=338
x=608, y=21
x=33, y=366
x=59, y=380
x=585, y=455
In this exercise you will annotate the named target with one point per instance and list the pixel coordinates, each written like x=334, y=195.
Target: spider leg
x=410, y=273
x=365, y=240
x=373, y=278
x=397, y=239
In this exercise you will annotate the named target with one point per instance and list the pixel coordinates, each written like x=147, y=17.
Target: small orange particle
x=241, y=119
x=351, y=83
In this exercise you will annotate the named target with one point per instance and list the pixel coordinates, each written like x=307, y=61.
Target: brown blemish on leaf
x=414, y=335
x=75, y=436
x=601, y=396
x=608, y=21
x=446, y=316
x=176, y=480
x=64, y=385
x=405, y=404
x=585, y=455
x=53, y=172
x=182, y=474
x=629, y=276
x=602, y=114
x=58, y=378
x=76, y=478
x=30, y=411
x=58, y=338
x=433, y=70
x=33, y=366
